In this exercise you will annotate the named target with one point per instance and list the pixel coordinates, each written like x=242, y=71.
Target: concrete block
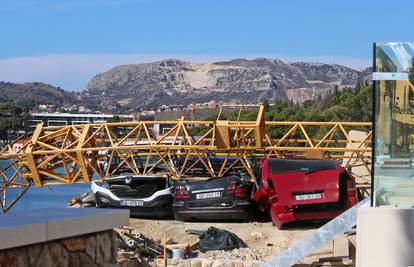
x=385, y=237
x=21, y=235
x=341, y=247
x=38, y=226
x=79, y=223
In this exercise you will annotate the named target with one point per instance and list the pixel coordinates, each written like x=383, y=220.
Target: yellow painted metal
x=30, y=159
x=82, y=153
x=79, y=153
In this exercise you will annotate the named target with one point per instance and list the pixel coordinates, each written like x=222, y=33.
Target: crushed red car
x=303, y=189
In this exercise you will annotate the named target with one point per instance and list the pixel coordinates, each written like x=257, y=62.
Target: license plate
x=132, y=203
x=308, y=196
x=208, y=195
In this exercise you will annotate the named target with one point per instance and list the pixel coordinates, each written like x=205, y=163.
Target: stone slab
x=341, y=247
x=385, y=237
x=22, y=234
x=37, y=226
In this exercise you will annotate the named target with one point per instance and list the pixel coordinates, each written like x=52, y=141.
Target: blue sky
x=65, y=43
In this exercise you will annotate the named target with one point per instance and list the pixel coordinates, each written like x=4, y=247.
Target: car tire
x=250, y=216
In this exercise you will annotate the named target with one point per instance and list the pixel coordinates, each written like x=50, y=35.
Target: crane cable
x=57, y=194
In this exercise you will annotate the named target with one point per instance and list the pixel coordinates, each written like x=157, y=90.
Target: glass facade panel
x=394, y=124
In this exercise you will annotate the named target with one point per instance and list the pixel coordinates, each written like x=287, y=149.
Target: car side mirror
x=348, y=168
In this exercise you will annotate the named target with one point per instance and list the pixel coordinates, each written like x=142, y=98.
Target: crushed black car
x=144, y=195
x=224, y=198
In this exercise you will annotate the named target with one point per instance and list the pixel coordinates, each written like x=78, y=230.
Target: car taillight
x=238, y=190
x=231, y=188
x=181, y=192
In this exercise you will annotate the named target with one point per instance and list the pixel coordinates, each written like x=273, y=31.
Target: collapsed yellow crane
x=72, y=154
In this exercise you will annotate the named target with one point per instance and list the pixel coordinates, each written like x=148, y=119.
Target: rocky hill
x=128, y=88
x=241, y=81
x=33, y=93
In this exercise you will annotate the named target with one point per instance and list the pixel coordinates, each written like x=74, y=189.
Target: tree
x=411, y=73
x=348, y=105
x=336, y=90
x=13, y=119
x=266, y=105
x=115, y=118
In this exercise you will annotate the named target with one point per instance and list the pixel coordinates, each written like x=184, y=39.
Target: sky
x=66, y=43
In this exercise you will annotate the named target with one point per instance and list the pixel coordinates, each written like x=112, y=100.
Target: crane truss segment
x=12, y=174
x=82, y=153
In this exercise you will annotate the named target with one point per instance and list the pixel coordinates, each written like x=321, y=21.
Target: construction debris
x=180, y=235
x=186, y=247
x=139, y=246
x=83, y=200
x=329, y=231
x=257, y=236
x=217, y=239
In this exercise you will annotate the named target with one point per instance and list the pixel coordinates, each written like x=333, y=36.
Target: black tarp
x=217, y=239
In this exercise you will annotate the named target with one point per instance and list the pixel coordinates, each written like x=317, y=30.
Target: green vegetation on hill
x=347, y=105
x=13, y=120
x=411, y=73
x=32, y=94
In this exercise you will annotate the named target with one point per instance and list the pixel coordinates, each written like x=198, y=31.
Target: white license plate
x=132, y=203
x=308, y=196
x=208, y=195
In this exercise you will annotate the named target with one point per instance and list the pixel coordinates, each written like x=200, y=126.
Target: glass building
x=394, y=124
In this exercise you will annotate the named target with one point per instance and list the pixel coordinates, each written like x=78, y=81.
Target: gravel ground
x=263, y=239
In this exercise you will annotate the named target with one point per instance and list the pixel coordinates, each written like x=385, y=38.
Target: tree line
x=14, y=121
x=350, y=104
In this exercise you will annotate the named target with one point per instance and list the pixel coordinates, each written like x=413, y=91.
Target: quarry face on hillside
x=238, y=81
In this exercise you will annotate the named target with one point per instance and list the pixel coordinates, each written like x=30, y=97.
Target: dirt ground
x=263, y=239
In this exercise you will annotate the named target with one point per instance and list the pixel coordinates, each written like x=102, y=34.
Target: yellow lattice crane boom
x=71, y=154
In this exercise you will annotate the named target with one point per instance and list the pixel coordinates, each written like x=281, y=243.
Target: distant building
x=207, y=105
x=17, y=146
x=62, y=119
x=169, y=108
x=44, y=107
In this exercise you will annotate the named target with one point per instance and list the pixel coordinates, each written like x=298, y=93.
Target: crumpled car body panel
x=307, y=190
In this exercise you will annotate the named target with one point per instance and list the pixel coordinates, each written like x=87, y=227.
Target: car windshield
x=301, y=165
